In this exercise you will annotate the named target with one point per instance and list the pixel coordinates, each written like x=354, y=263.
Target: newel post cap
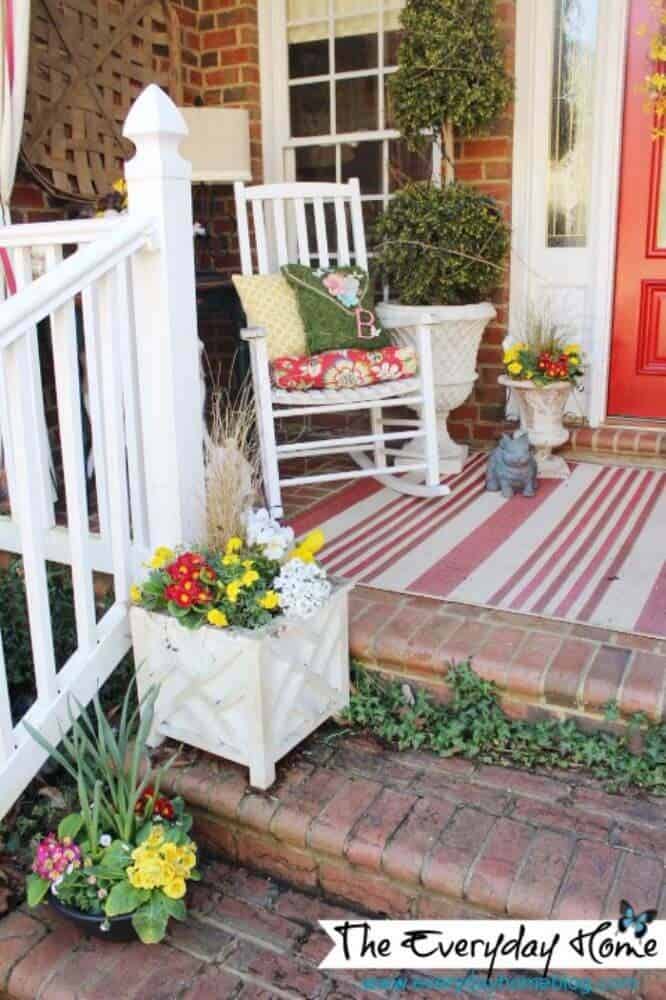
x=156, y=127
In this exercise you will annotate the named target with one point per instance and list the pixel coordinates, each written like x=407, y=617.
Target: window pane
x=571, y=122
x=308, y=51
x=363, y=160
x=351, y=6
x=315, y=163
x=406, y=165
x=310, y=110
x=371, y=212
x=392, y=41
x=357, y=105
x=356, y=43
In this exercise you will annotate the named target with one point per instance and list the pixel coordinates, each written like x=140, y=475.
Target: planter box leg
x=262, y=771
x=260, y=760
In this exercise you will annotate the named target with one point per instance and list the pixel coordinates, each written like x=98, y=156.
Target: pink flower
x=53, y=857
x=334, y=283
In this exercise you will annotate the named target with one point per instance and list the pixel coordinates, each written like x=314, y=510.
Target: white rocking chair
x=272, y=244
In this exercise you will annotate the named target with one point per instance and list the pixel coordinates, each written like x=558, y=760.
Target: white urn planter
x=542, y=409
x=247, y=695
x=456, y=333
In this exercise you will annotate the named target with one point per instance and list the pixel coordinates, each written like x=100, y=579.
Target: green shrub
x=441, y=246
x=451, y=68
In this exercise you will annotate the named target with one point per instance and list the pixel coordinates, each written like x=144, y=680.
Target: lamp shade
x=218, y=144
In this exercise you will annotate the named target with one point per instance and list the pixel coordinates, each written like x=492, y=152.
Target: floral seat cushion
x=343, y=369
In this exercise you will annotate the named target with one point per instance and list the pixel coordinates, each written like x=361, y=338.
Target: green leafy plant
x=441, y=246
x=127, y=849
x=473, y=725
x=451, y=69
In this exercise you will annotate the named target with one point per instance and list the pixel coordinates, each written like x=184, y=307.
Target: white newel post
x=159, y=186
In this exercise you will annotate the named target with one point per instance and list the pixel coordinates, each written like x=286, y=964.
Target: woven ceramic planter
x=456, y=333
x=542, y=409
x=247, y=696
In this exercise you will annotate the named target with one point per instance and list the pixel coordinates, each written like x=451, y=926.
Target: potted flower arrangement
x=248, y=641
x=118, y=867
x=440, y=248
x=541, y=371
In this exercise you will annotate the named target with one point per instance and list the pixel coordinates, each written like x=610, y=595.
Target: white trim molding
x=587, y=273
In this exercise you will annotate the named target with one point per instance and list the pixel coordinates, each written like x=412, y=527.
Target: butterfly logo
x=629, y=918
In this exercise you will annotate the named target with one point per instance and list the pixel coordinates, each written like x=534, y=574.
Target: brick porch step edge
x=411, y=834
x=638, y=442
x=542, y=667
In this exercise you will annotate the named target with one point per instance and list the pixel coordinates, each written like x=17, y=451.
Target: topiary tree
x=441, y=246
x=451, y=71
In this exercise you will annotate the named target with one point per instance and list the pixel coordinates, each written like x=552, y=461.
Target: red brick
x=294, y=978
x=372, y=892
x=213, y=983
x=496, y=653
x=640, y=880
x=236, y=917
x=257, y=811
x=643, y=688
x=404, y=854
x=43, y=960
x=605, y=676
x=199, y=939
x=566, y=672
x=587, y=883
x=371, y=834
x=215, y=833
x=493, y=874
x=219, y=39
x=302, y=804
x=226, y=795
x=446, y=867
x=169, y=977
x=518, y=782
x=486, y=148
x=526, y=672
x=19, y=934
x=533, y=893
x=333, y=825
x=281, y=860
x=582, y=824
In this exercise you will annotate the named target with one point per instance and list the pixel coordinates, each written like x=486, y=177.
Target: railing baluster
x=23, y=273
x=26, y=427
x=68, y=390
x=112, y=394
x=94, y=377
x=6, y=726
x=126, y=330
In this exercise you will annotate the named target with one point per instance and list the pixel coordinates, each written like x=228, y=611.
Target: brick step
x=631, y=440
x=543, y=668
x=412, y=834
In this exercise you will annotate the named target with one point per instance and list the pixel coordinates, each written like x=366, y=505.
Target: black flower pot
x=120, y=928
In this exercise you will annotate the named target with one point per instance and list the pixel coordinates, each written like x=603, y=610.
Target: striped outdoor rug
x=588, y=549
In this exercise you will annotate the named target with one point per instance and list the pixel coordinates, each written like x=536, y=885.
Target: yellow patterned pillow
x=269, y=301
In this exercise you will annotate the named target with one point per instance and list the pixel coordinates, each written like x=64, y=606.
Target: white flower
x=105, y=840
x=54, y=886
x=105, y=926
x=303, y=588
x=262, y=530
x=102, y=894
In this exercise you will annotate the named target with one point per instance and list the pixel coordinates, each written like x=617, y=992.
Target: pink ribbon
x=9, y=52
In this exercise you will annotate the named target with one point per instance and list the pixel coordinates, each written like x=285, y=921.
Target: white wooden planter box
x=248, y=696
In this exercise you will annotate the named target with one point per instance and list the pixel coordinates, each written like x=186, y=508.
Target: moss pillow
x=337, y=307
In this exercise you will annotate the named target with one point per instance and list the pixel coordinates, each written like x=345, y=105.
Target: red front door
x=638, y=351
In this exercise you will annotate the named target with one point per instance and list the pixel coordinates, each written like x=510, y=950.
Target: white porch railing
x=131, y=280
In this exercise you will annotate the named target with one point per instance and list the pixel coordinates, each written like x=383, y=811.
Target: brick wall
x=486, y=163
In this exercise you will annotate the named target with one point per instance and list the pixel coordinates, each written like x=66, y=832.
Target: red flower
x=165, y=809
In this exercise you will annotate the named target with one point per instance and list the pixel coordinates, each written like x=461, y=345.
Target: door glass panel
x=571, y=112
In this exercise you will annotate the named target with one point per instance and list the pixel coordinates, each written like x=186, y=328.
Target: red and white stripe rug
x=589, y=549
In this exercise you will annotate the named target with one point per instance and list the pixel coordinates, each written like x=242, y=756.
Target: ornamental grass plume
x=232, y=465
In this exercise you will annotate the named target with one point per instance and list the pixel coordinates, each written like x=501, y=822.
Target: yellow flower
x=233, y=590
x=149, y=869
x=300, y=553
x=175, y=888
x=180, y=859
x=161, y=556
x=270, y=600
x=515, y=368
x=313, y=542
x=154, y=838
x=235, y=544
x=574, y=359
x=529, y=374
x=249, y=577
x=217, y=618
x=247, y=563
x=135, y=594
x=120, y=186
x=572, y=349
x=230, y=560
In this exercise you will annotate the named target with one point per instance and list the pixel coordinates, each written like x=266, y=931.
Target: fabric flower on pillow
x=349, y=293
x=334, y=284
x=347, y=374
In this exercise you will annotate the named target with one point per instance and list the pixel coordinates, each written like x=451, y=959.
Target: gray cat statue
x=512, y=467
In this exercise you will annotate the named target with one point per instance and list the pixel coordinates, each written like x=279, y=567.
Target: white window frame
x=593, y=270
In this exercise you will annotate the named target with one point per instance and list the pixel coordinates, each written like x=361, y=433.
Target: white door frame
x=608, y=114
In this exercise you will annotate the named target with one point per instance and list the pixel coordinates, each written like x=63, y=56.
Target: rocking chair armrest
x=254, y=333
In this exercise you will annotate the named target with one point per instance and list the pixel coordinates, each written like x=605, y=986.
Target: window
x=341, y=54
x=572, y=102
